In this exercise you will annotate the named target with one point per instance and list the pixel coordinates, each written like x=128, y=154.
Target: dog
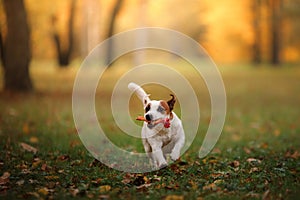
x=162, y=131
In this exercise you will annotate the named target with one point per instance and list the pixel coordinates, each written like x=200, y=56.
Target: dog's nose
x=148, y=117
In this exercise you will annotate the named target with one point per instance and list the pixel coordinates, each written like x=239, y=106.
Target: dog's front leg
x=157, y=154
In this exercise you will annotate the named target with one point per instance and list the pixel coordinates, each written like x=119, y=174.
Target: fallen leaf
x=174, y=197
x=294, y=155
x=63, y=157
x=216, y=151
x=20, y=182
x=254, y=169
x=28, y=148
x=26, y=128
x=4, y=178
x=264, y=145
x=36, y=163
x=253, y=160
x=276, y=132
x=104, y=188
x=211, y=187
x=102, y=196
x=97, y=181
x=33, y=140
x=44, y=191
x=74, y=192
x=144, y=186
x=44, y=167
x=235, y=164
x=51, y=177
x=247, y=150
x=35, y=194
x=266, y=195
x=193, y=185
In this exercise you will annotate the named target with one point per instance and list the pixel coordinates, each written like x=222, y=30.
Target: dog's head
x=157, y=110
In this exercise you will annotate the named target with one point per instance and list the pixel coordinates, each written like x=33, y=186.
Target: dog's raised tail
x=142, y=95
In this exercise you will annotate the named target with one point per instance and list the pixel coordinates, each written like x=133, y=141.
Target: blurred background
x=232, y=31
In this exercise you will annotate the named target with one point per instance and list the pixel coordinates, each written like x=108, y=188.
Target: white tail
x=142, y=95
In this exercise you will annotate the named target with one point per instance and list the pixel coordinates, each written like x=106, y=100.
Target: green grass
x=257, y=156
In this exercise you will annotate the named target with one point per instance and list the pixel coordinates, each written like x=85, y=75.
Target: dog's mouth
x=152, y=123
x=155, y=121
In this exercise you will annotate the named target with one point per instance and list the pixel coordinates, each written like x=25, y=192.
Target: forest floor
x=256, y=157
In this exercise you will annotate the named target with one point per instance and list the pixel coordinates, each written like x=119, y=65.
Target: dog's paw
x=163, y=165
x=174, y=155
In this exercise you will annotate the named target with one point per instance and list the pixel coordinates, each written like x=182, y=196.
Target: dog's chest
x=165, y=136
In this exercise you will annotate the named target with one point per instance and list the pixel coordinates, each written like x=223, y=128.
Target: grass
x=257, y=156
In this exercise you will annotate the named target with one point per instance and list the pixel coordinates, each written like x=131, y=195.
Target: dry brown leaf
x=247, y=150
x=253, y=160
x=51, y=177
x=20, y=182
x=63, y=157
x=44, y=167
x=212, y=187
x=28, y=148
x=174, y=197
x=102, y=196
x=33, y=140
x=74, y=192
x=266, y=195
x=193, y=185
x=4, y=178
x=104, y=188
x=294, y=155
x=144, y=186
x=43, y=191
x=97, y=181
x=254, y=169
x=25, y=128
x=235, y=164
x=276, y=132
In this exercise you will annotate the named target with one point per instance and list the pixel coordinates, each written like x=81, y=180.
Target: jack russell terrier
x=162, y=132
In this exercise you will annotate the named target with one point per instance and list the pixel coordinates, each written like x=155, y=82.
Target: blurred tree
x=275, y=10
x=291, y=14
x=1, y=49
x=16, y=48
x=256, y=51
x=110, y=32
x=64, y=53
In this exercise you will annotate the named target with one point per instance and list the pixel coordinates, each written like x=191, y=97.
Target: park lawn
x=257, y=156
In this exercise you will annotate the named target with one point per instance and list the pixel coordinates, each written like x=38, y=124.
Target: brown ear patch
x=165, y=105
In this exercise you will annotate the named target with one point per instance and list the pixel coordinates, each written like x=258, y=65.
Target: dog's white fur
x=158, y=140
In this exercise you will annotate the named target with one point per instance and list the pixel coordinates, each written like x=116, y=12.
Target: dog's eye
x=147, y=108
x=160, y=109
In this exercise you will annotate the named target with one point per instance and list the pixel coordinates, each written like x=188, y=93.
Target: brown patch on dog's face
x=165, y=106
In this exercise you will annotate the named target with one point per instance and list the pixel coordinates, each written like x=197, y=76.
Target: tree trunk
x=275, y=31
x=110, y=31
x=1, y=50
x=64, y=54
x=256, y=51
x=16, y=48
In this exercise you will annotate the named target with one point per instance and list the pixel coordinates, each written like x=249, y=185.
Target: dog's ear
x=171, y=102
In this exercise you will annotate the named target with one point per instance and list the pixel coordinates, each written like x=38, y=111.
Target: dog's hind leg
x=175, y=154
